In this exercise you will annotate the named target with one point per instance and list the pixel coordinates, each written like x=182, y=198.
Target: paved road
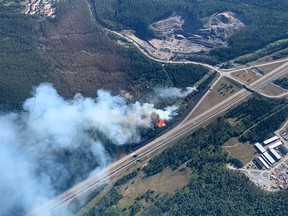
x=161, y=142
x=222, y=72
x=147, y=54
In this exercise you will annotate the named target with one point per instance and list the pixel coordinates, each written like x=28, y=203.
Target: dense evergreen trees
x=213, y=189
x=21, y=61
x=266, y=21
x=30, y=53
x=283, y=82
x=186, y=74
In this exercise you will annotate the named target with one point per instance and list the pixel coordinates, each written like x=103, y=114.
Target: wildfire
x=160, y=123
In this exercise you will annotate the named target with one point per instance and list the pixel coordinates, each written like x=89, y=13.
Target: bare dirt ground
x=40, y=7
x=174, y=36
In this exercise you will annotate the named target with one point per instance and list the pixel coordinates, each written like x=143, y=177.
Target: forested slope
x=266, y=21
x=73, y=53
x=212, y=188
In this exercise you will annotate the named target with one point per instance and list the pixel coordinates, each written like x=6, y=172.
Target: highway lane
x=278, y=72
x=92, y=183
x=161, y=142
x=254, y=65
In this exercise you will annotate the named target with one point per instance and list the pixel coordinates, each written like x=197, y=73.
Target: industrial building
x=258, y=163
x=260, y=148
x=275, y=155
x=283, y=150
x=275, y=144
x=263, y=162
x=270, y=140
x=269, y=154
x=269, y=158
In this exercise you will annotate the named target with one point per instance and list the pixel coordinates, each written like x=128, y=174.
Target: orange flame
x=160, y=123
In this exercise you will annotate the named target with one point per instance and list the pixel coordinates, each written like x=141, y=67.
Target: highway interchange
x=164, y=141
x=161, y=142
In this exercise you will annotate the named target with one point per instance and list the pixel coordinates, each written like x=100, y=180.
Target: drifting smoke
x=53, y=142
x=173, y=93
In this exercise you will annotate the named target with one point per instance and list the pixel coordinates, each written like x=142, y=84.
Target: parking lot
x=272, y=179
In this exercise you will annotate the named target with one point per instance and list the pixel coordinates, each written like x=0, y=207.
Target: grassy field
x=268, y=68
x=167, y=181
x=243, y=151
x=221, y=91
x=246, y=76
x=272, y=90
x=142, y=190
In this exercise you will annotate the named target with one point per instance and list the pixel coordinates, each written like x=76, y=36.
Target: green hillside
x=73, y=53
x=266, y=21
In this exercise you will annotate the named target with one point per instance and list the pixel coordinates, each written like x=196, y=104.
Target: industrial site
x=269, y=169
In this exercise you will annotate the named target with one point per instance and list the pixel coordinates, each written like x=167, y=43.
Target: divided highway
x=164, y=141
x=161, y=142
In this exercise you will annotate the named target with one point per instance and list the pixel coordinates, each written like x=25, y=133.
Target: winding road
x=161, y=142
x=164, y=141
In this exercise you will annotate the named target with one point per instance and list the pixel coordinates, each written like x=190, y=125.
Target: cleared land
x=272, y=90
x=172, y=37
x=164, y=182
x=221, y=91
x=243, y=151
x=246, y=76
x=268, y=68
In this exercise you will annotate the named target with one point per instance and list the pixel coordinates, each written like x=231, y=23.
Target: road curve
x=161, y=142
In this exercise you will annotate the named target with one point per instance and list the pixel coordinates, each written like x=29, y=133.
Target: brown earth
x=174, y=35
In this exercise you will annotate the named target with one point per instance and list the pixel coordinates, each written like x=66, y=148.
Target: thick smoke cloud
x=54, y=143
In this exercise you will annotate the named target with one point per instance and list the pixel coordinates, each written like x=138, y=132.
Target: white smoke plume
x=173, y=93
x=54, y=140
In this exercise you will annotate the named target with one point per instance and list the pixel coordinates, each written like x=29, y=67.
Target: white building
x=275, y=144
x=269, y=158
x=259, y=147
x=272, y=139
x=275, y=154
x=263, y=162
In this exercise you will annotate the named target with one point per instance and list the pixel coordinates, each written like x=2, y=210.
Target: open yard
x=243, y=151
